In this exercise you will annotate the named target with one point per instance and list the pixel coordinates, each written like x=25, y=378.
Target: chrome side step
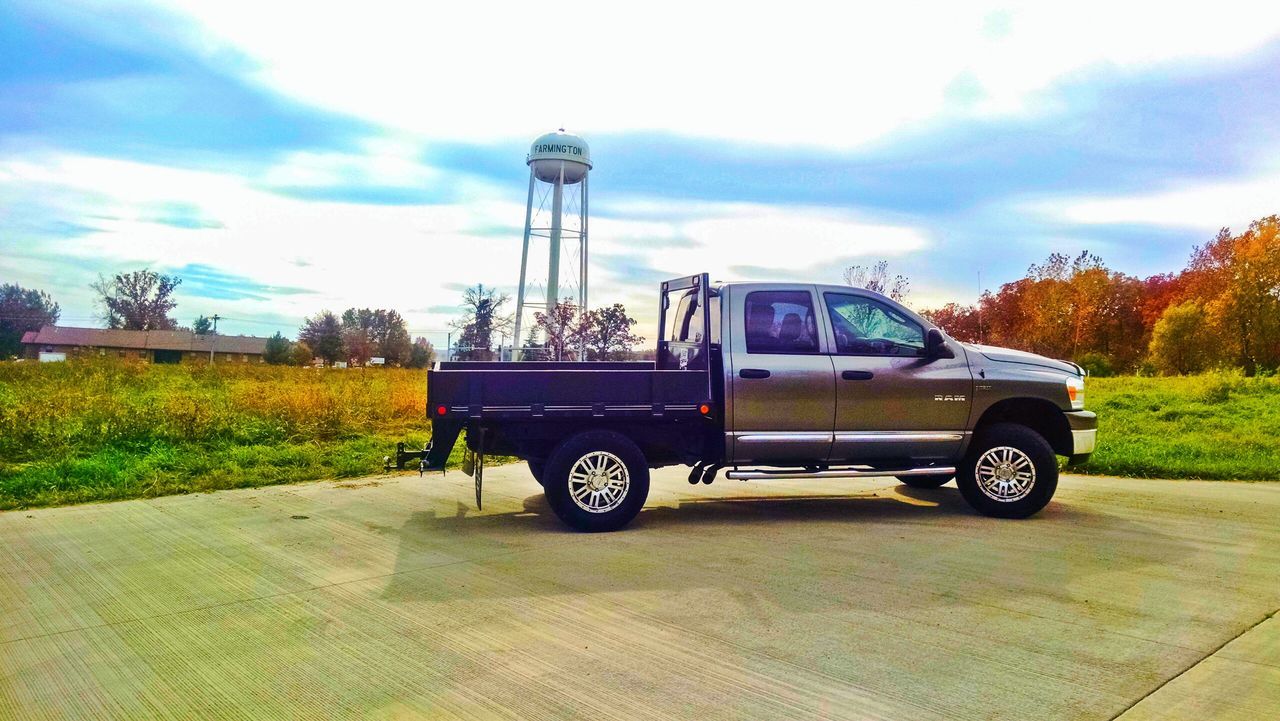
x=787, y=473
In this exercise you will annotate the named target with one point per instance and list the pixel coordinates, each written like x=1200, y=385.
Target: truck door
x=892, y=402
x=782, y=379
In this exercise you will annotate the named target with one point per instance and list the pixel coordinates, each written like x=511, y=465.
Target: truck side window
x=781, y=321
x=865, y=326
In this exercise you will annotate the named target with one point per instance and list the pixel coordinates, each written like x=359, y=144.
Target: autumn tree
x=322, y=334
x=22, y=310
x=141, y=300
x=1181, y=340
x=1237, y=280
x=959, y=321
x=483, y=317
x=1066, y=307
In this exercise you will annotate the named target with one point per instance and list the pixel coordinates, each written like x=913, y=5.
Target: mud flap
x=473, y=465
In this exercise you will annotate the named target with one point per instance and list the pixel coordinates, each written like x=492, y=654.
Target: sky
x=285, y=158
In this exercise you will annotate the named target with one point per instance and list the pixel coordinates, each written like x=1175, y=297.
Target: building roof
x=179, y=340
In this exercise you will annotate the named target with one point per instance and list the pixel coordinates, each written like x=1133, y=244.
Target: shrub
x=1097, y=364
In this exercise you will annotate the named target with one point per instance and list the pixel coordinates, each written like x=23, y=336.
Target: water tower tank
x=559, y=150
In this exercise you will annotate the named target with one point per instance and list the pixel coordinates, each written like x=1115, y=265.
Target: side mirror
x=935, y=345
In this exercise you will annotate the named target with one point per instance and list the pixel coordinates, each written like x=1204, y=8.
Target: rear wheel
x=596, y=481
x=933, y=481
x=1010, y=471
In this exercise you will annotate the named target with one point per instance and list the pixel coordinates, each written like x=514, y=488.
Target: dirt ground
x=394, y=598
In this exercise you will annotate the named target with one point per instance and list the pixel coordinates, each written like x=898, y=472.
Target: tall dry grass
x=60, y=407
x=102, y=428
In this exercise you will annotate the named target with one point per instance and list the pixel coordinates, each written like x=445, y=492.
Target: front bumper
x=1084, y=434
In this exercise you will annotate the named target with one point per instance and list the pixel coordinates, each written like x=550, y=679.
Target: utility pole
x=214, y=339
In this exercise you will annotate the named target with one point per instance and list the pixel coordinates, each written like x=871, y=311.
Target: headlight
x=1075, y=391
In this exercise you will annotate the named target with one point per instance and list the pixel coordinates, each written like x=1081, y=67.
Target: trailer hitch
x=402, y=455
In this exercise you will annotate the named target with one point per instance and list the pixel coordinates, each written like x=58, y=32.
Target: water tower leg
x=524, y=264
x=553, y=269
x=582, y=258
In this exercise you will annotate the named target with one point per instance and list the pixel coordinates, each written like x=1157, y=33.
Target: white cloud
x=814, y=73
x=408, y=257
x=1200, y=206
x=384, y=161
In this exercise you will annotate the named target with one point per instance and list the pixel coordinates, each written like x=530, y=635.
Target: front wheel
x=1009, y=472
x=596, y=481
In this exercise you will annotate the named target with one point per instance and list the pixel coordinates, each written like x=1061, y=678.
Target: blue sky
x=283, y=162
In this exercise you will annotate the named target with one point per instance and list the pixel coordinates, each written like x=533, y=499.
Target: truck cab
x=776, y=380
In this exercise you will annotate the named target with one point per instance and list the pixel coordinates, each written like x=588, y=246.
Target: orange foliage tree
x=1078, y=308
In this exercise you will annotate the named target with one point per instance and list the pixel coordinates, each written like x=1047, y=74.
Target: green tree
x=1181, y=341
x=301, y=354
x=202, y=326
x=279, y=350
x=608, y=333
x=323, y=335
x=422, y=354
x=141, y=300
x=368, y=333
x=22, y=310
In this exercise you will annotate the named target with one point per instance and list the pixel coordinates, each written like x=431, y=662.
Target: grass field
x=1219, y=426
x=88, y=431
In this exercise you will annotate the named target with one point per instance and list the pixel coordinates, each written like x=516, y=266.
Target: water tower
x=557, y=161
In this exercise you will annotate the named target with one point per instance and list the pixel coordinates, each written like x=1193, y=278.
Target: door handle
x=857, y=375
x=753, y=373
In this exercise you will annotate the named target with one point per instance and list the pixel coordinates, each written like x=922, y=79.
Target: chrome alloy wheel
x=598, y=482
x=1005, y=474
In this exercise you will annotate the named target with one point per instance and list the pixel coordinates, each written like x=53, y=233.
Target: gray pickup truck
x=771, y=380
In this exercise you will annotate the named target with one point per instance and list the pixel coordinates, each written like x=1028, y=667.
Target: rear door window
x=781, y=321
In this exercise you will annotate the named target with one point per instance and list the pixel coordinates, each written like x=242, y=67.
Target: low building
x=54, y=342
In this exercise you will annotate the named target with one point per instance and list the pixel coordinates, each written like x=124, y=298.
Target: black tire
x=1028, y=449
x=625, y=462
x=536, y=469
x=934, y=481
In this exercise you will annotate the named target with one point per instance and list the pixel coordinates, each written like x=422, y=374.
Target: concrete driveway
x=394, y=598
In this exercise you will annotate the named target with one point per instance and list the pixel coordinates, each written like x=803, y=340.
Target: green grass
x=102, y=430
x=1219, y=426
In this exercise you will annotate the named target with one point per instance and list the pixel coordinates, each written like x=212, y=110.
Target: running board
x=738, y=475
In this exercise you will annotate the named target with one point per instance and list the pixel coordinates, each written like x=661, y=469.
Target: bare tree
x=482, y=317
x=875, y=278
x=563, y=329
